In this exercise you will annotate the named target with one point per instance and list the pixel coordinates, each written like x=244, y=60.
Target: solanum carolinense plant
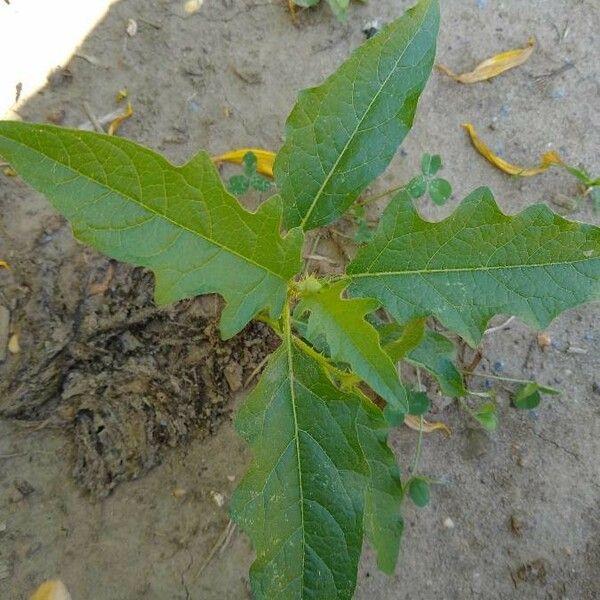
x=322, y=478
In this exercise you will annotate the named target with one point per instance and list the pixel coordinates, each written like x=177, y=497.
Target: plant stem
x=370, y=199
x=549, y=389
x=417, y=457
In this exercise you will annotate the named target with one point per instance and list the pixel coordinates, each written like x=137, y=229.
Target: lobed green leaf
x=352, y=340
x=342, y=134
x=477, y=263
x=135, y=206
x=321, y=477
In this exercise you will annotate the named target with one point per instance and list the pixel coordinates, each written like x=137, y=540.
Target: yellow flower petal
x=264, y=159
x=427, y=426
x=493, y=66
x=13, y=344
x=114, y=126
x=4, y=265
x=51, y=590
x=548, y=159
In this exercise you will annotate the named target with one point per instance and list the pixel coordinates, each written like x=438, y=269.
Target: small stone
x=132, y=27
x=371, y=28
x=233, y=374
x=3, y=527
x=24, y=487
x=192, y=6
x=179, y=492
x=544, y=340
x=13, y=344
x=448, y=523
x=231, y=478
x=56, y=116
x=129, y=342
x=518, y=523
x=218, y=498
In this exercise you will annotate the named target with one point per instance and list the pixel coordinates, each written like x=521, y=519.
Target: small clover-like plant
x=238, y=185
x=439, y=189
x=322, y=477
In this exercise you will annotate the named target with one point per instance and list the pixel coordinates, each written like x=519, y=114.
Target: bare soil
x=117, y=453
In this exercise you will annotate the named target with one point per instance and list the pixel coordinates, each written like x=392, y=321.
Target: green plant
x=238, y=185
x=338, y=7
x=322, y=477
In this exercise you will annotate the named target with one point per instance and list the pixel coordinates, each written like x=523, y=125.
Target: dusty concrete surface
x=523, y=502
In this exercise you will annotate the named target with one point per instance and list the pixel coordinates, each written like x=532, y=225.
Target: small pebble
x=13, y=344
x=231, y=478
x=192, y=6
x=24, y=487
x=544, y=341
x=179, y=492
x=448, y=523
x=132, y=27
x=218, y=498
x=371, y=28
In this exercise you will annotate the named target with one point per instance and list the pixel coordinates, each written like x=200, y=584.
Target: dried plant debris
x=128, y=378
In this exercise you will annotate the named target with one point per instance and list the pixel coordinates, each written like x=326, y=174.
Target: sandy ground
x=524, y=502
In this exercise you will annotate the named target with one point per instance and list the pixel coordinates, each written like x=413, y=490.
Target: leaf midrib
x=287, y=330
x=470, y=269
x=351, y=137
x=150, y=210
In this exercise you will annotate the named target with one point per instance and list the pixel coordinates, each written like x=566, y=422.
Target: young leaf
x=528, y=397
x=478, y=263
x=260, y=184
x=417, y=186
x=419, y=491
x=440, y=190
x=342, y=134
x=353, y=340
x=418, y=403
x=437, y=354
x=133, y=205
x=486, y=415
x=424, y=348
x=310, y=491
x=431, y=164
x=238, y=185
x=398, y=340
x=250, y=162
